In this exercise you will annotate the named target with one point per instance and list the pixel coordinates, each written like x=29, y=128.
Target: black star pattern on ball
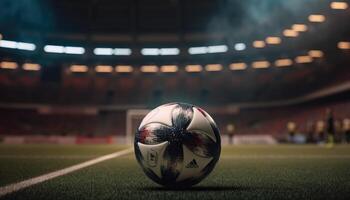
x=178, y=138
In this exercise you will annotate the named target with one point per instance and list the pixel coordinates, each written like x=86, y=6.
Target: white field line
x=47, y=156
x=316, y=156
x=32, y=181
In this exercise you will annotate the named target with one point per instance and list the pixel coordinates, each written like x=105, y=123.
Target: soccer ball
x=177, y=144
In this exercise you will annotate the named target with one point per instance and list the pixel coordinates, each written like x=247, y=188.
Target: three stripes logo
x=192, y=164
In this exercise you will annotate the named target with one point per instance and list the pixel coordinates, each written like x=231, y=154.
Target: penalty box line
x=39, y=179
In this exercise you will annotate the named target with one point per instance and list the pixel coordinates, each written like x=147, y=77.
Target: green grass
x=243, y=172
x=19, y=162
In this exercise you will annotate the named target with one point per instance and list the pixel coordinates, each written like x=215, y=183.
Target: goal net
x=133, y=120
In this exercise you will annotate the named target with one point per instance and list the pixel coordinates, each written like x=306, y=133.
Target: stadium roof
x=246, y=44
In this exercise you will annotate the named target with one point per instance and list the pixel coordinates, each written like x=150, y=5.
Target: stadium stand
x=248, y=121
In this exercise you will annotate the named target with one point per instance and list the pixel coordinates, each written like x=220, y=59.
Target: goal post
x=133, y=120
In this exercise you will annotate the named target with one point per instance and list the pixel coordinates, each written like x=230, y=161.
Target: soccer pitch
x=243, y=172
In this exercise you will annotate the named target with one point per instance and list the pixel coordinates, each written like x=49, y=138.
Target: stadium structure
x=87, y=72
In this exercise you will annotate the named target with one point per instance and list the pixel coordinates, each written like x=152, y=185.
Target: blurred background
x=87, y=71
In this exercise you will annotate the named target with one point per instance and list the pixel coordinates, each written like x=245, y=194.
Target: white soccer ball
x=177, y=144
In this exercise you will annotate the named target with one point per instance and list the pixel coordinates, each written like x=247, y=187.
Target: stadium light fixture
x=303, y=59
x=290, y=33
x=259, y=44
x=169, y=51
x=26, y=46
x=124, y=69
x=240, y=46
x=208, y=49
x=213, y=67
x=299, y=27
x=74, y=50
x=169, y=68
x=104, y=69
x=122, y=51
x=344, y=45
x=31, y=67
x=317, y=18
x=150, y=51
x=110, y=51
x=149, y=69
x=197, y=50
x=315, y=53
x=79, y=68
x=103, y=51
x=238, y=66
x=283, y=62
x=260, y=64
x=8, y=44
x=8, y=65
x=17, y=45
x=62, y=49
x=339, y=5
x=273, y=40
x=54, y=49
x=193, y=68
x=161, y=51
x=217, y=49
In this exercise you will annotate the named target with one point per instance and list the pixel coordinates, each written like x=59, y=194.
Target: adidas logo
x=192, y=164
